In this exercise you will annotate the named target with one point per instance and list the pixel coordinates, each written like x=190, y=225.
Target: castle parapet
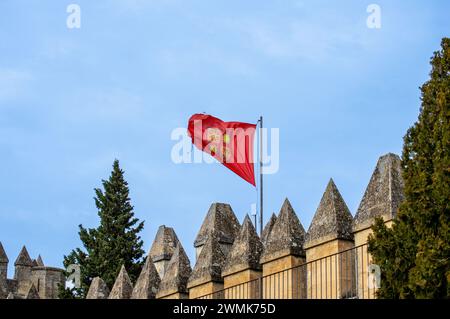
x=174, y=283
x=330, y=272
x=147, y=284
x=206, y=277
x=242, y=264
x=382, y=198
x=98, y=289
x=283, y=252
x=123, y=287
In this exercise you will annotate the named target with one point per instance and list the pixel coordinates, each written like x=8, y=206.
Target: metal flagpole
x=260, y=175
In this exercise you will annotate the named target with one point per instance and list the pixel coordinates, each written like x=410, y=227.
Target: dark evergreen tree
x=115, y=242
x=414, y=255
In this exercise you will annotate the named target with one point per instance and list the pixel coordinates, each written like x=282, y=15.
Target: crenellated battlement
x=330, y=260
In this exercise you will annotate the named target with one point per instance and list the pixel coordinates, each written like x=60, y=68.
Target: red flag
x=231, y=143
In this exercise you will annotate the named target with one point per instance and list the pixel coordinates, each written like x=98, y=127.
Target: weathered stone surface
x=22, y=271
x=123, y=287
x=3, y=257
x=39, y=261
x=163, y=248
x=3, y=273
x=47, y=279
x=98, y=289
x=287, y=235
x=164, y=244
x=32, y=293
x=11, y=296
x=177, y=274
x=148, y=282
x=12, y=285
x=383, y=194
x=209, y=263
x=268, y=228
x=24, y=258
x=221, y=221
x=246, y=250
x=332, y=219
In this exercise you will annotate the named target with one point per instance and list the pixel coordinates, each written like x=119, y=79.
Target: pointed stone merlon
x=243, y=264
x=39, y=261
x=98, y=289
x=330, y=233
x=268, y=228
x=206, y=277
x=221, y=221
x=163, y=248
x=3, y=272
x=123, y=287
x=174, y=283
x=331, y=221
x=147, y=284
x=284, y=250
x=382, y=197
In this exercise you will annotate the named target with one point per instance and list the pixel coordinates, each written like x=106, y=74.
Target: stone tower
x=174, y=283
x=163, y=248
x=3, y=273
x=22, y=273
x=206, y=277
x=47, y=280
x=284, y=250
x=330, y=233
x=123, y=287
x=221, y=221
x=382, y=198
x=242, y=264
x=147, y=284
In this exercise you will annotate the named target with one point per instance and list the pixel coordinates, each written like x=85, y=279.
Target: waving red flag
x=231, y=143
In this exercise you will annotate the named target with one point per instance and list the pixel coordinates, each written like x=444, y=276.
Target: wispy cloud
x=297, y=38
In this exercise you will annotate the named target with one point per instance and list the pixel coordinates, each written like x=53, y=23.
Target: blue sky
x=72, y=100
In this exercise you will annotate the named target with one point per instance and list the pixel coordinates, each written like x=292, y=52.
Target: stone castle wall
x=329, y=260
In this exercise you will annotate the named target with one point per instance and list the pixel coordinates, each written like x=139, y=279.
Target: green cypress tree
x=414, y=255
x=115, y=242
